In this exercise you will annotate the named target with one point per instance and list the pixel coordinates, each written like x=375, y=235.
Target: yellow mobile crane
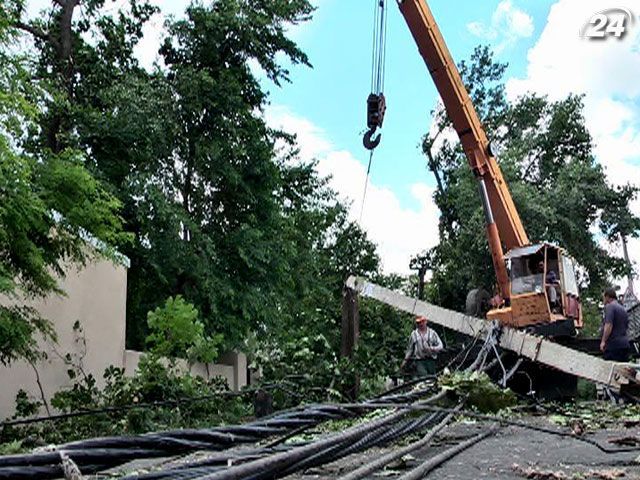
x=536, y=284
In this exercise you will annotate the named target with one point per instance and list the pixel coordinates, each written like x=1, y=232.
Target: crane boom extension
x=503, y=222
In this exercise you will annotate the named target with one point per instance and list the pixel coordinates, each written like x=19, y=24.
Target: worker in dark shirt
x=614, y=343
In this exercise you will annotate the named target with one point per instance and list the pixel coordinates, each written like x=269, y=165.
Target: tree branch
x=36, y=32
x=43, y=397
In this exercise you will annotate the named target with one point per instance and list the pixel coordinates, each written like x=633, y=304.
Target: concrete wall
x=96, y=297
x=230, y=372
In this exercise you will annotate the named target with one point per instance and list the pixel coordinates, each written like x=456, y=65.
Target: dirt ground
x=513, y=453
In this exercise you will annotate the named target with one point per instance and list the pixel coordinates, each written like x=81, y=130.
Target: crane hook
x=369, y=142
x=376, y=108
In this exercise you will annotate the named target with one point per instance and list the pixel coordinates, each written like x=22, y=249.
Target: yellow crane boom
x=504, y=226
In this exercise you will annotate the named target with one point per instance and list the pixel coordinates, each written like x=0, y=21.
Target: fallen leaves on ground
x=611, y=474
x=539, y=474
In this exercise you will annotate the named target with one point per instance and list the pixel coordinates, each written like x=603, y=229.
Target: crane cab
x=544, y=291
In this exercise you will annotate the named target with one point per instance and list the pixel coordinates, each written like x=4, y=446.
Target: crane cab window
x=524, y=277
x=569, y=277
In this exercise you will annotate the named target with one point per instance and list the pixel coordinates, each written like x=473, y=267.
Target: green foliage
x=209, y=228
x=593, y=416
x=11, y=448
x=243, y=238
x=560, y=191
x=186, y=401
x=49, y=204
x=592, y=316
x=481, y=393
x=175, y=331
x=25, y=407
x=306, y=354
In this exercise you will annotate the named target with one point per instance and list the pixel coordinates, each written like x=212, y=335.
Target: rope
x=366, y=184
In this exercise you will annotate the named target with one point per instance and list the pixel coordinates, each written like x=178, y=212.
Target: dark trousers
x=424, y=367
x=617, y=354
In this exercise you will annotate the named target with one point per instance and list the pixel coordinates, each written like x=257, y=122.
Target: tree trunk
x=63, y=45
x=350, y=334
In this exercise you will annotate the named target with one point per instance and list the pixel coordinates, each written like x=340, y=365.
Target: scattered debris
x=611, y=474
x=69, y=468
x=401, y=463
x=536, y=474
x=588, y=416
x=578, y=428
x=627, y=441
x=480, y=391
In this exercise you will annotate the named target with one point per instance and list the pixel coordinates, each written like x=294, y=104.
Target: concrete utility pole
x=541, y=350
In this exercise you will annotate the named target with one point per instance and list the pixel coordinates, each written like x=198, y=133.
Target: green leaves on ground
x=480, y=392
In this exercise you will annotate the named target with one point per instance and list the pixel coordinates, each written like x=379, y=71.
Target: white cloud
x=605, y=72
x=398, y=232
x=508, y=25
x=562, y=61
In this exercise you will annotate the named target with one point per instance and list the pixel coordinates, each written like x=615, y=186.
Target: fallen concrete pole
x=535, y=348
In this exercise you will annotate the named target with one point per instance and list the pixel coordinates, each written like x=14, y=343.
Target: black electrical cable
x=514, y=423
x=274, y=466
x=381, y=436
x=92, y=454
x=135, y=406
x=424, y=468
x=378, y=436
x=381, y=461
x=265, y=467
x=406, y=385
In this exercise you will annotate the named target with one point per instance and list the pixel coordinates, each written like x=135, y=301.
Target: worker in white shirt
x=424, y=346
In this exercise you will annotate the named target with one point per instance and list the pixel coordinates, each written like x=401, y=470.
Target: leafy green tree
x=225, y=216
x=209, y=225
x=49, y=205
x=561, y=192
x=176, y=332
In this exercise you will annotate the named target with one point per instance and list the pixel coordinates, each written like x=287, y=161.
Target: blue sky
x=332, y=94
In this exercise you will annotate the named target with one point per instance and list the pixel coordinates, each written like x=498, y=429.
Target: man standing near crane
x=424, y=346
x=614, y=343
